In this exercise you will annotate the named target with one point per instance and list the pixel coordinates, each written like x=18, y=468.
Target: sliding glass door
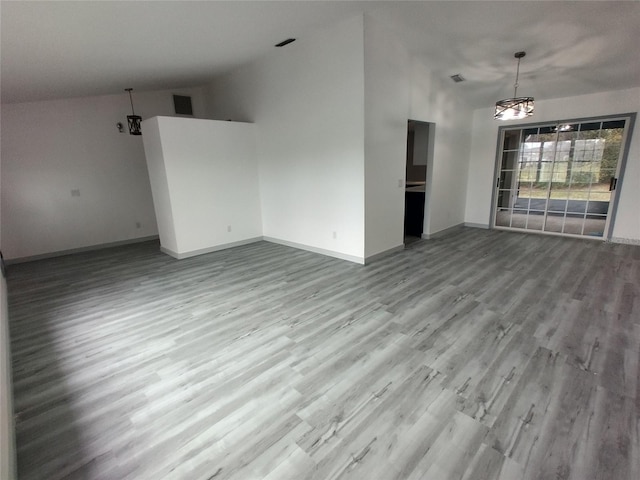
x=560, y=178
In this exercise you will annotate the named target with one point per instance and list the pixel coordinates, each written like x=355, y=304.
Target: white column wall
x=484, y=143
x=157, y=169
x=399, y=88
x=387, y=85
x=204, y=178
x=307, y=102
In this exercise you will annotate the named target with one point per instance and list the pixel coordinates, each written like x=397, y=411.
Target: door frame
x=431, y=129
x=626, y=144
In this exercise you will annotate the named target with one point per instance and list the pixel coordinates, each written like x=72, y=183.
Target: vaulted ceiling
x=66, y=49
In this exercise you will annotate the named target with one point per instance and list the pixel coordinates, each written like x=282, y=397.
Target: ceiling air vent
x=457, y=78
x=182, y=105
x=285, y=42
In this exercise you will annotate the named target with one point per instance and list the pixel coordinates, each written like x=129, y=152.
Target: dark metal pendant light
x=517, y=107
x=133, y=120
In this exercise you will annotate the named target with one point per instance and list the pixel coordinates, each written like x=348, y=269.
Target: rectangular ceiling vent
x=182, y=105
x=457, y=78
x=286, y=42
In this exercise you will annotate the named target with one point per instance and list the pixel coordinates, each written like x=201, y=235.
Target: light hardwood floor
x=480, y=355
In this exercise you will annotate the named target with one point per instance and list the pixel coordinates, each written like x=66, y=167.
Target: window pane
x=509, y=160
x=538, y=204
x=600, y=195
x=503, y=217
x=505, y=198
x=597, y=207
x=506, y=179
x=527, y=172
x=511, y=140
x=519, y=219
x=554, y=222
x=535, y=220
x=524, y=194
x=594, y=225
x=578, y=206
x=573, y=224
x=588, y=127
x=560, y=176
x=557, y=206
x=613, y=124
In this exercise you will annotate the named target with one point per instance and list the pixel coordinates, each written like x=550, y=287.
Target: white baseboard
x=484, y=226
x=322, y=251
x=442, y=233
x=626, y=241
x=71, y=251
x=377, y=256
x=203, y=251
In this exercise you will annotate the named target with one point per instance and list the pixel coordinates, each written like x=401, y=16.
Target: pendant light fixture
x=133, y=120
x=517, y=107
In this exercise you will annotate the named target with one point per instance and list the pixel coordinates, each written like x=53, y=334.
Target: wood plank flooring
x=481, y=355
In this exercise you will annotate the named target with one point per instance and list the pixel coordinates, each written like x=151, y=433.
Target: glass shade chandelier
x=516, y=107
x=133, y=120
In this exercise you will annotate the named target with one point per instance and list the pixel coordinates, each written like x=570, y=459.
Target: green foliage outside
x=583, y=161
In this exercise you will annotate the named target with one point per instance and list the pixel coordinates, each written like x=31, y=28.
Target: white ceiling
x=65, y=49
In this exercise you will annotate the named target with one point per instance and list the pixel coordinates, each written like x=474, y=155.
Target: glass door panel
x=559, y=178
x=507, y=180
x=573, y=224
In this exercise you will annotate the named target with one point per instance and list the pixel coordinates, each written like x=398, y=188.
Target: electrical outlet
x=335, y=235
x=138, y=225
x=228, y=228
x=75, y=192
x=400, y=183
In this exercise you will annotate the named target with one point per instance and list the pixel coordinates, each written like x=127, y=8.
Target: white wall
x=204, y=178
x=484, y=142
x=307, y=102
x=50, y=148
x=437, y=101
x=159, y=184
x=331, y=111
x=387, y=84
x=399, y=87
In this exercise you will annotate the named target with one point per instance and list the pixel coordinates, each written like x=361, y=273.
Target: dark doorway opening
x=418, y=148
